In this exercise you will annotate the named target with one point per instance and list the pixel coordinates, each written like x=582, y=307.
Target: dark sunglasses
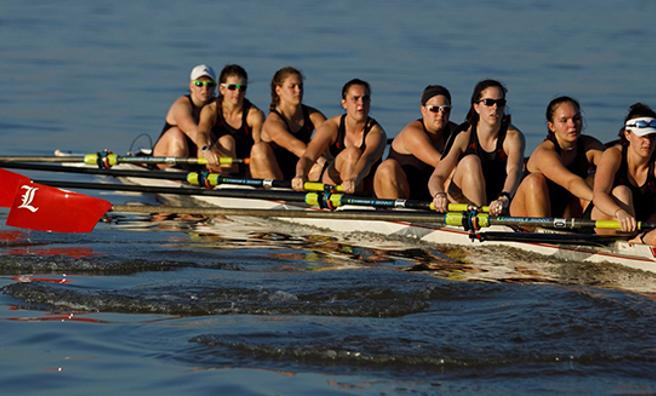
x=642, y=124
x=491, y=102
x=200, y=83
x=438, y=109
x=232, y=87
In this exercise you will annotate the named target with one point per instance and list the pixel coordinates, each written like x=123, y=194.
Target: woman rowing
x=232, y=121
x=485, y=159
x=181, y=135
x=559, y=182
x=287, y=130
x=416, y=150
x=355, y=141
x=625, y=184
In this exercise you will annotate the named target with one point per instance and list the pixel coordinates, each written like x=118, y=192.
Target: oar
x=215, y=179
x=111, y=159
x=44, y=207
x=145, y=174
x=316, y=199
x=193, y=178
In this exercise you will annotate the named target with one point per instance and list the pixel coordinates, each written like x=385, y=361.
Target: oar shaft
x=146, y=174
x=291, y=196
x=372, y=215
x=28, y=158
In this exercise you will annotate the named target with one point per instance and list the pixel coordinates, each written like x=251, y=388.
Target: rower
x=231, y=120
x=181, y=136
x=559, y=182
x=625, y=185
x=287, y=130
x=355, y=141
x=484, y=159
x=416, y=150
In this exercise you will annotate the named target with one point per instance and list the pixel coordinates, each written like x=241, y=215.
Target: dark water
x=200, y=306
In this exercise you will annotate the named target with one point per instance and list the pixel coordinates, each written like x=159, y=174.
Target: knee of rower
x=351, y=154
x=173, y=143
x=535, y=183
x=260, y=151
x=623, y=193
x=470, y=164
x=388, y=170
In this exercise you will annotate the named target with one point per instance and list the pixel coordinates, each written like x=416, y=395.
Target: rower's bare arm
x=276, y=129
x=603, y=182
x=514, y=147
x=546, y=161
x=375, y=146
x=323, y=137
x=316, y=117
x=415, y=141
x=593, y=150
x=181, y=113
x=448, y=164
x=255, y=120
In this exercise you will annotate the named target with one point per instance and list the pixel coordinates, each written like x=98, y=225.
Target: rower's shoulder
x=591, y=143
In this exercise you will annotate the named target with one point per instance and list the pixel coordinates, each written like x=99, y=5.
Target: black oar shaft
x=291, y=196
x=372, y=215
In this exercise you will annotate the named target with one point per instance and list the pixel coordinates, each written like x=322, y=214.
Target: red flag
x=9, y=182
x=45, y=208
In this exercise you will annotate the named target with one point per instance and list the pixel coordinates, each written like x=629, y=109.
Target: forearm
x=606, y=204
x=303, y=166
x=513, y=178
x=580, y=189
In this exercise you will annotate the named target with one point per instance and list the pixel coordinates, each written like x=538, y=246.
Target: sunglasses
x=491, y=102
x=438, y=109
x=232, y=87
x=642, y=124
x=200, y=83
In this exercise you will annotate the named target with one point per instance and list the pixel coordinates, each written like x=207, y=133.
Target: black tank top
x=339, y=144
x=644, y=197
x=493, y=163
x=243, y=135
x=286, y=159
x=580, y=166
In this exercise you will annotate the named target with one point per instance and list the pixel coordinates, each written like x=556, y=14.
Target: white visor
x=641, y=126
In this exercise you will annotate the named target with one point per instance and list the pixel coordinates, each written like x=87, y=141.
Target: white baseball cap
x=202, y=71
x=641, y=126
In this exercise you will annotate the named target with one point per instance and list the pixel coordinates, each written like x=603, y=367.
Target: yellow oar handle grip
x=316, y=186
x=223, y=161
x=462, y=207
x=613, y=225
x=92, y=159
x=313, y=199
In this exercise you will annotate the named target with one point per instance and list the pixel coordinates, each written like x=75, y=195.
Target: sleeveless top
x=339, y=144
x=195, y=115
x=286, y=159
x=243, y=135
x=493, y=163
x=644, y=197
x=558, y=195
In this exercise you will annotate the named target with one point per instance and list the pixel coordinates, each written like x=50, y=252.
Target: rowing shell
x=635, y=256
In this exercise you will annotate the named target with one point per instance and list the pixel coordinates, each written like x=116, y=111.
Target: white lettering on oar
x=27, y=198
